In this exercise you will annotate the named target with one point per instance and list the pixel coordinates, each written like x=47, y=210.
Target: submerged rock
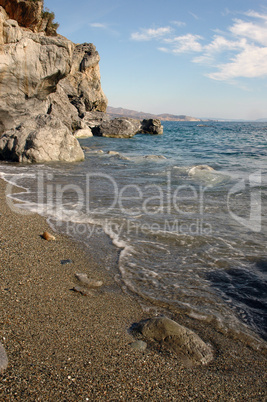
x=200, y=169
x=3, y=358
x=155, y=157
x=184, y=342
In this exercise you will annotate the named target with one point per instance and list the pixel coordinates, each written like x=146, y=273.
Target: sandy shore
x=68, y=347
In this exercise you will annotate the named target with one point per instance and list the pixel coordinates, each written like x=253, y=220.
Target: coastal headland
x=68, y=330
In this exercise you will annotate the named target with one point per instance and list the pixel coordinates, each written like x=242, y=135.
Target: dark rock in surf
x=125, y=127
x=118, y=128
x=151, y=126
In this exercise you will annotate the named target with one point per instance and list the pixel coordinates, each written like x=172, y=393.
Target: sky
x=202, y=58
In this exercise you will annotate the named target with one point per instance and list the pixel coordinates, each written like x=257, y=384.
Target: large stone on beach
x=118, y=128
x=3, y=358
x=184, y=342
x=43, y=139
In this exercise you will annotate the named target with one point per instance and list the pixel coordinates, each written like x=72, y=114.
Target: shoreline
x=63, y=345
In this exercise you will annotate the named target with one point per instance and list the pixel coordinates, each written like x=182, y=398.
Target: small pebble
x=48, y=236
x=139, y=345
x=3, y=358
x=90, y=283
x=64, y=262
x=82, y=291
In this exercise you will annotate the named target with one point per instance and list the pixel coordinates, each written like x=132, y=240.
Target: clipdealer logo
x=254, y=220
x=50, y=198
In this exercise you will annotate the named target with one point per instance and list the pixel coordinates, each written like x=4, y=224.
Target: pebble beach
x=67, y=346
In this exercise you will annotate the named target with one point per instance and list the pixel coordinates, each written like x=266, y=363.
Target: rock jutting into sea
x=51, y=90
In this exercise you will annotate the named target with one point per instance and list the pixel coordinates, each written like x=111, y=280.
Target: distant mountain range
x=120, y=112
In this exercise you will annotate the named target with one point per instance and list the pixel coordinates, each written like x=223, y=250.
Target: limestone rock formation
x=82, y=85
x=83, y=133
x=30, y=14
x=27, y=13
x=93, y=119
x=43, y=78
x=184, y=342
x=42, y=139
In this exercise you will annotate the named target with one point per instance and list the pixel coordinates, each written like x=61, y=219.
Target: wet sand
x=64, y=346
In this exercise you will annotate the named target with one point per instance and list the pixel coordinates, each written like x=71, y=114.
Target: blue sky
x=204, y=58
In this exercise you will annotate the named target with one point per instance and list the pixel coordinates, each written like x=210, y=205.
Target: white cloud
x=244, y=55
x=179, y=23
x=239, y=52
x=250, y=30
x=98, y=25
x=252, y=13
x=185, y=43
x=194, y=15
x=148, y=34
x=250, y=63
x=164, y=49
x=218, y=45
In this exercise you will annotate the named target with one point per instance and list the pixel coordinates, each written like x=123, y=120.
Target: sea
x=184, y=213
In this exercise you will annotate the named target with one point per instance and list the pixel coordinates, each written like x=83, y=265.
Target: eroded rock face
x=186, y=344
x=82, y=85
x=27, y=13
x=43, y=78
x=31, y=65
x=43, y=139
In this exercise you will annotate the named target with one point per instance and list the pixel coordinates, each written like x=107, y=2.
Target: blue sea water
x=186, y=211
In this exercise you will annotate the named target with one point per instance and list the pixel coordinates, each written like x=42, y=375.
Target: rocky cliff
x=50, y=90
x=43, y=78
